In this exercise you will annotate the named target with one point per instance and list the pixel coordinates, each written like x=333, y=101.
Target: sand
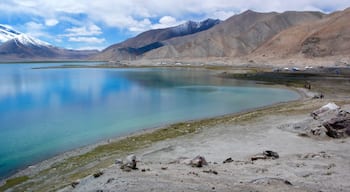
x=305, y=164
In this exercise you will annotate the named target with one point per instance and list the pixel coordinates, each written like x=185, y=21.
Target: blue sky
x=96, y=24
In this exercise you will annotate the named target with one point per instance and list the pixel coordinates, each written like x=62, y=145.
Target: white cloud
x=51, y=22
x=88, y=30
x=36, y=30
x=91, y=48
x=166, y=21
x=133, y=14
x=86, y=39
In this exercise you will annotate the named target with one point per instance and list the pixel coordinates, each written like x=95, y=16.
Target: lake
x=44, y=112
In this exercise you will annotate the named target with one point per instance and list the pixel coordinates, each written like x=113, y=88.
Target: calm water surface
x=44, y=112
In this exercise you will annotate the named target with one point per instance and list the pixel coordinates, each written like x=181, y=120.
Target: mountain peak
x=29, y=41
x=193, y=26
x=7, y=33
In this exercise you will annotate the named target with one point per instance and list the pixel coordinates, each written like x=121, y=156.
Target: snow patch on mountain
x=192, y=26
x=28, y=40
x=7, y=33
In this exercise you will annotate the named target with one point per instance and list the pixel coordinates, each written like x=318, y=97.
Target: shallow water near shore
x=48, y=111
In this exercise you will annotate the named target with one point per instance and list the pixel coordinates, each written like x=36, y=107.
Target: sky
x=97, y=24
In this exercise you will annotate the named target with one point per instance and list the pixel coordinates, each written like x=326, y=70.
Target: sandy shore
x=309, y=164
x=304, y=163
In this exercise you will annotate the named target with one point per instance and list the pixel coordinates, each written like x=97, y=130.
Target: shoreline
x=207, y=123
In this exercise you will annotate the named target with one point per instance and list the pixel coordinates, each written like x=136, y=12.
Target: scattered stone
x=198, y=161
x=228, y=160
x=110, y=180
x=211, y=171
x=118, y=161
x=193, y=173
x=130, y=163
x=317, y=131
x=271, y=154
x=259, y=156
x=98, y=174
x=321, y=154
x=270, y=180
x=164, y=168
x=265, y=155
x=261, y=170
x=75, y=183
x=143, y=170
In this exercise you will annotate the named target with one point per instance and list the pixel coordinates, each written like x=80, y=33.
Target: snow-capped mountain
x=7, y=34
x=193, y=27
x=15, y=45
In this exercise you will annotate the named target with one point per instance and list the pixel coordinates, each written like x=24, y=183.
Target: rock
x=258, y=156
x=110, y=180
x=130, y=163
x=321, y=154
x=329, y=107
x=118, y=161
x=198, y=161
x=228, y=160
x=211, y=171
x=338, y=127
x=265, y=155
x=270, y=180
x=98, y=174
x=75, y=183
x=271, y=154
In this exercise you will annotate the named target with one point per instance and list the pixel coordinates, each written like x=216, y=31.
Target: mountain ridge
x=152, y=39
x=253, y=36
x=17, y=46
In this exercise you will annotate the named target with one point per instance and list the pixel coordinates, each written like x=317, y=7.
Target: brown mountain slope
x=149, y=40
x=327, y=37
x=237, y=36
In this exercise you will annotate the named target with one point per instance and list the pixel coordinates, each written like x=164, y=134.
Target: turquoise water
x=44, y=112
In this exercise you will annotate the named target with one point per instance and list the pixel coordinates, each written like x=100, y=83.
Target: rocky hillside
x=153, y=39
x=246, y=35
x=329, y=36
x=237, y=36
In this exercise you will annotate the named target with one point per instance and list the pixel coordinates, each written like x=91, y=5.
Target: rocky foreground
x=276, y=149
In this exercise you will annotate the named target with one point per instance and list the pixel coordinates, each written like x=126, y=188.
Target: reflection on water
x=45, y=112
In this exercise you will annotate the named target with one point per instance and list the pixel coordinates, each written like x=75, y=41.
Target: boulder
x=198, y=161
x=338, y=127
x=329, y=107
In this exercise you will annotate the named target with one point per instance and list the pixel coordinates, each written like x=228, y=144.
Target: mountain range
x=249, y=35
x=17, y=46
x=136, y=47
